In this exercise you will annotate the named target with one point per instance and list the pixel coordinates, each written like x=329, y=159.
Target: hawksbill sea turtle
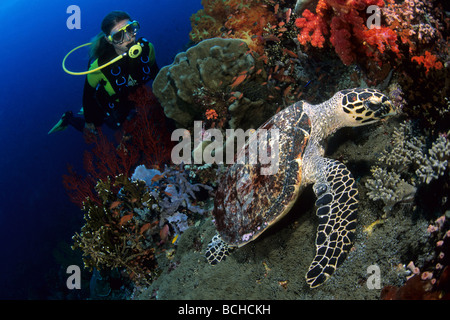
x=247, y=202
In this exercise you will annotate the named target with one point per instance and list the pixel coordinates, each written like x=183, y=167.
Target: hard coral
x=408, y=168
x=214, y=74
x=389, y=187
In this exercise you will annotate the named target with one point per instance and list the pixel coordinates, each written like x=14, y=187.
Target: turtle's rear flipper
x=337, y=202
x=217, y=250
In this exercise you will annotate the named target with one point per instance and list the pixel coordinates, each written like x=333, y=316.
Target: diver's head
x=120, y=30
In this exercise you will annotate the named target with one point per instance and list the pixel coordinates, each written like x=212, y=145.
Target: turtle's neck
x=324, y=121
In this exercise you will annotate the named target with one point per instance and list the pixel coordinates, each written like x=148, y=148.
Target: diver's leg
x=77, y=122
x=68, y=119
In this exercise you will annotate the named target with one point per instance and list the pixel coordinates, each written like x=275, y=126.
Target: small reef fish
x=239, y=80
x=144, y=228
x=125, y=219
x=114, y=205
x=288, y=15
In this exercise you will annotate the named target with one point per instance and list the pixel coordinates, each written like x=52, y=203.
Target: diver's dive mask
x=118, y=37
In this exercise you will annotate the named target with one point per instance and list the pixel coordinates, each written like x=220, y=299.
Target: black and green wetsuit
x=106, y=92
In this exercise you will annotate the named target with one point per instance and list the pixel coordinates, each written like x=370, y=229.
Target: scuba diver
x=119, y=64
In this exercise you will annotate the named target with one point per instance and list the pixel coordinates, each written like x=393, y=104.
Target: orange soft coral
x=204, y=26
x=248, y=22
x=235, y=19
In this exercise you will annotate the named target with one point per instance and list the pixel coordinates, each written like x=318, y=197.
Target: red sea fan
x=145, y=140
x=79, y=188
x=149, y=132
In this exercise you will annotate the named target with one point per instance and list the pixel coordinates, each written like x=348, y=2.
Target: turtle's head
x=364, y=106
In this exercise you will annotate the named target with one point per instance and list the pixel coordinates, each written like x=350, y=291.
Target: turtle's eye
x=373, y=104
x=383, y=109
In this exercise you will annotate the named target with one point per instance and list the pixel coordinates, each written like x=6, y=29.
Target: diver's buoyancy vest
x=129, y=72
x=121, y=77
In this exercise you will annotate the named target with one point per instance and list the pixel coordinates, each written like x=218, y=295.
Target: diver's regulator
x=133, y=52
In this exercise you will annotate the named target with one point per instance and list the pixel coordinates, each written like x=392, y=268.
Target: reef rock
x=228, y=72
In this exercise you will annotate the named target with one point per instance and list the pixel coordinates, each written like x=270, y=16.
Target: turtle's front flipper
x=337, y=202
x=217, y=250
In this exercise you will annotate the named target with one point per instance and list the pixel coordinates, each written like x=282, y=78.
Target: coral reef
x=272, y=266
x=233, y=19
x=216, y=74
x=389, y=187
x=135, y=217
x=409, y=37
x=128, y=222
x=408, y=157
x=251, y=59
x=345, y=22
x=145, y=139
x=376, y=37
x=432, y=281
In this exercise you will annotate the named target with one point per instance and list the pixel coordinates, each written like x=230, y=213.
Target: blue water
x=36, y=216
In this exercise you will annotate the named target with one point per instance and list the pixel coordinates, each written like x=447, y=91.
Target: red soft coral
x=429, y=61
x=345, y=21
x=313, y=27
x=382, y=39
x=341, y=40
